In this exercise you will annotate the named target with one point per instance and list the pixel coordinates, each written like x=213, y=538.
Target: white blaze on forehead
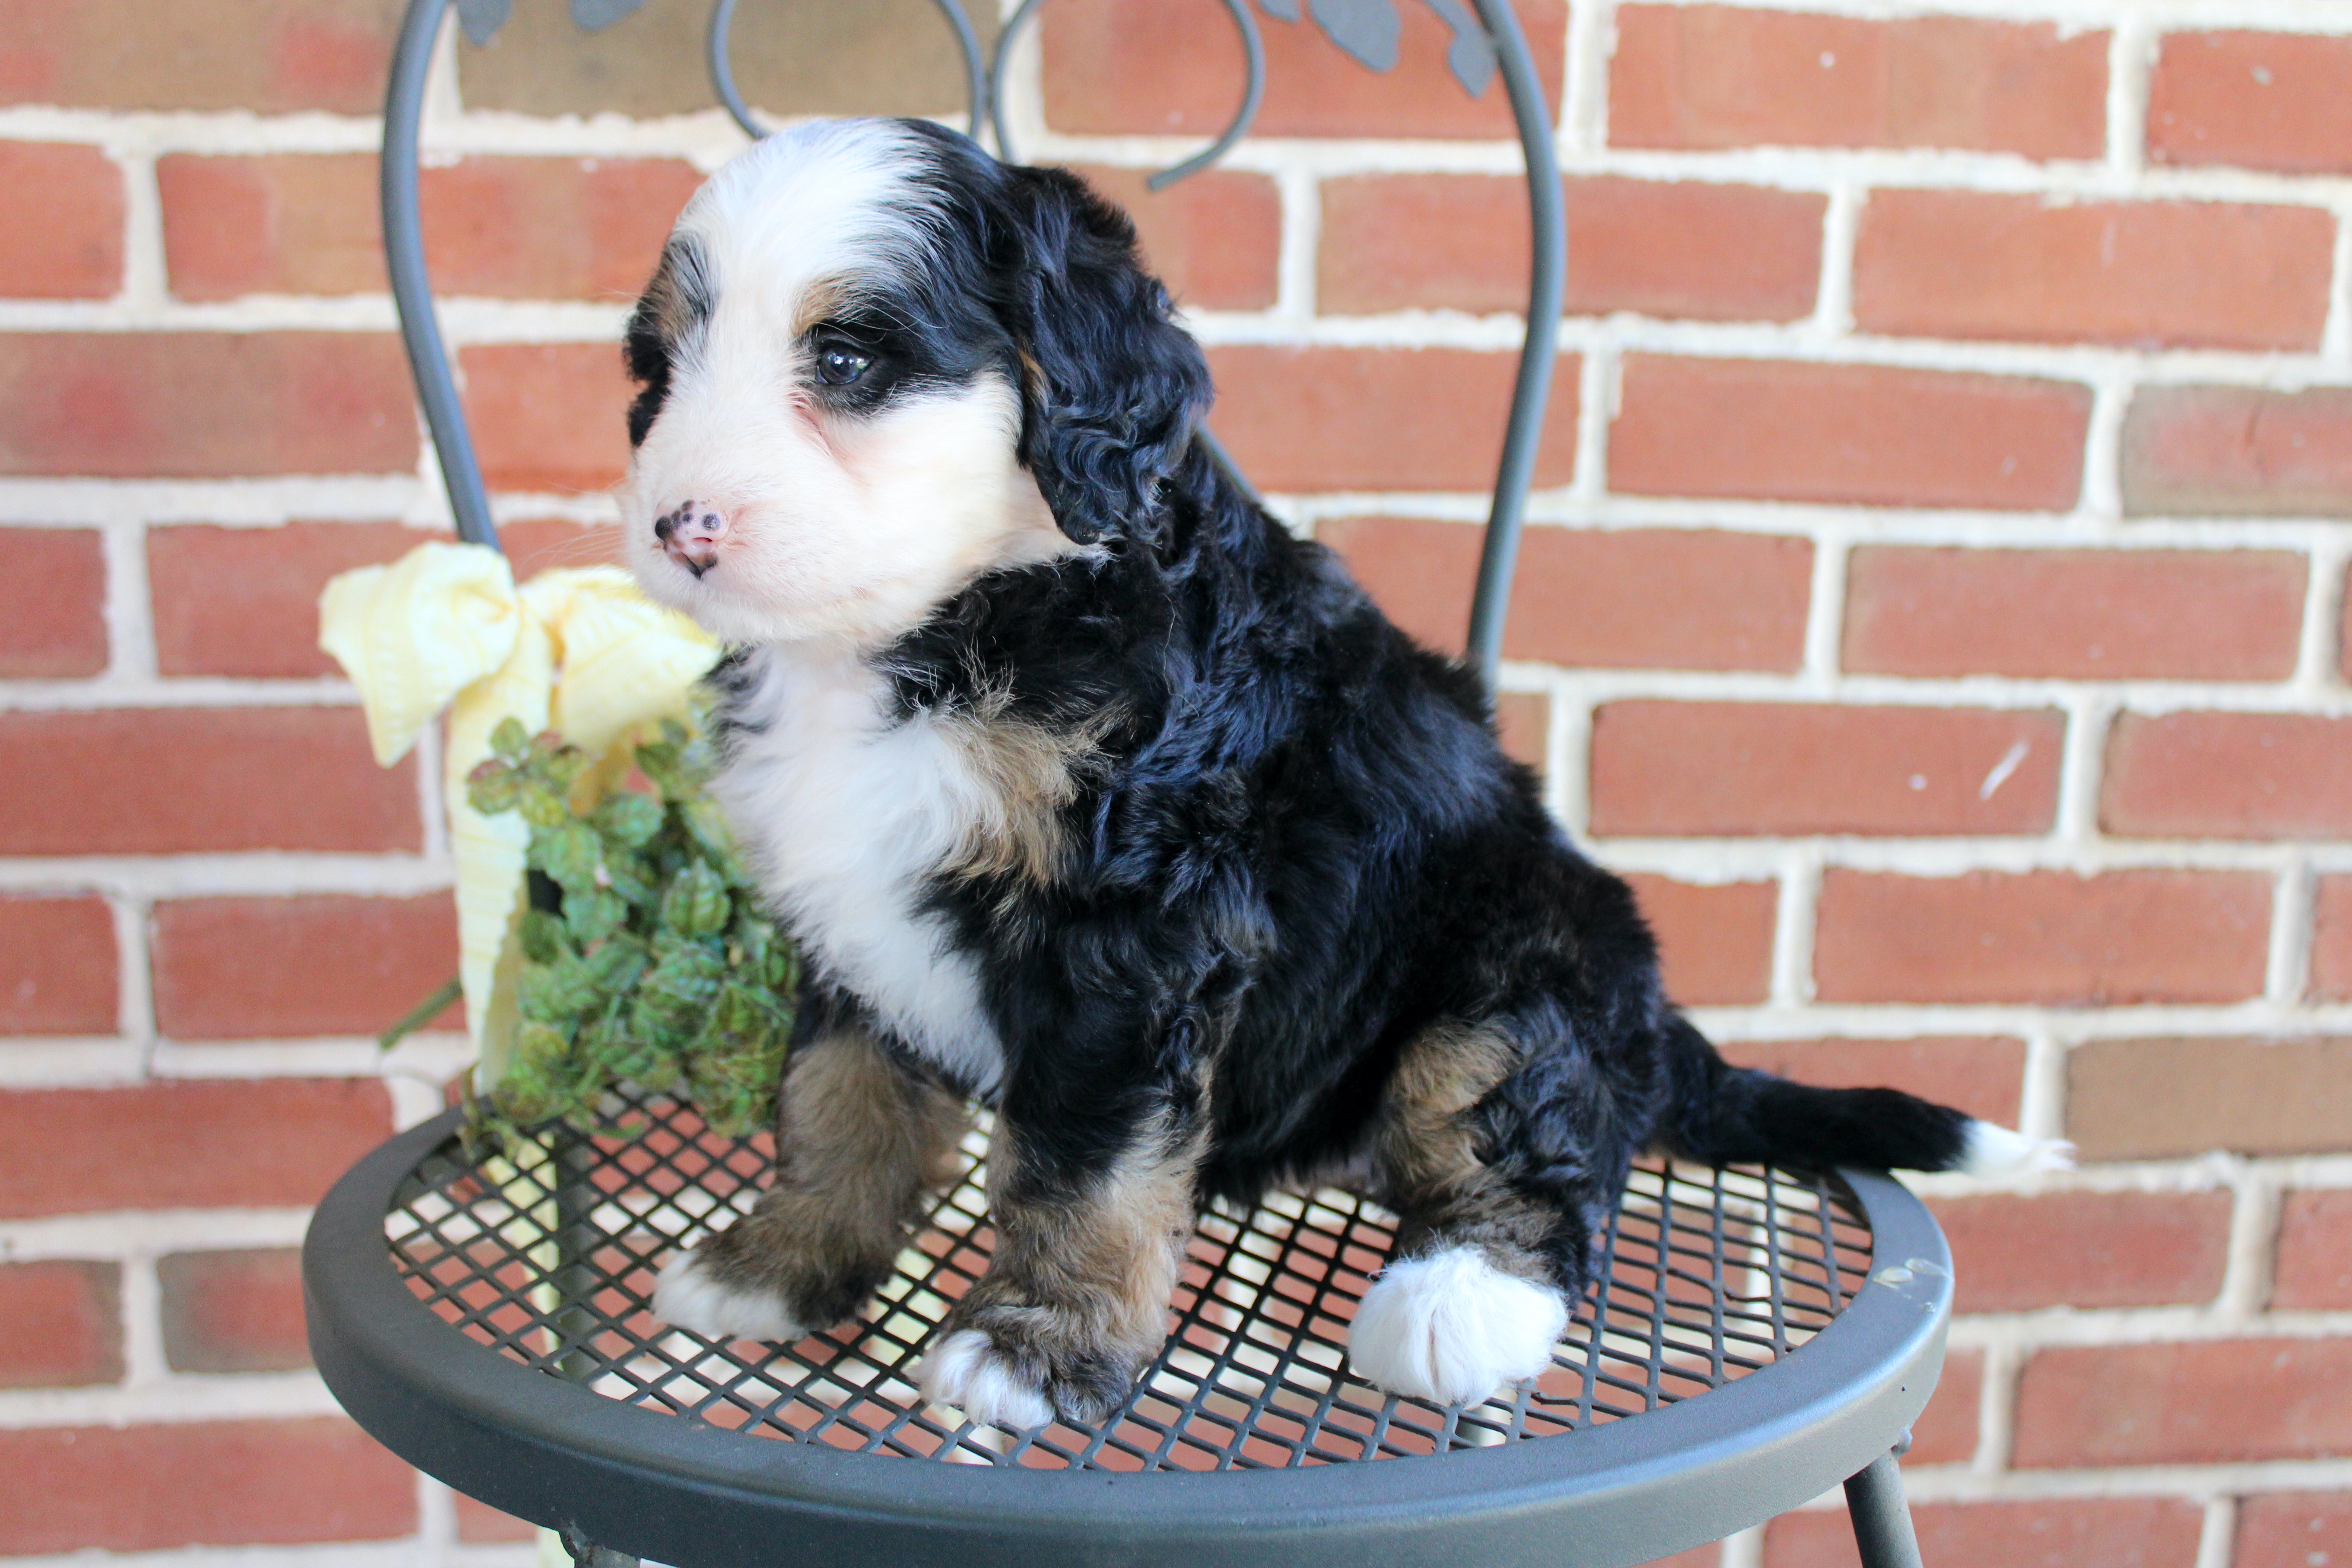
x=829, y=199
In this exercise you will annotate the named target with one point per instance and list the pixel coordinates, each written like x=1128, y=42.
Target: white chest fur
x=841, y=814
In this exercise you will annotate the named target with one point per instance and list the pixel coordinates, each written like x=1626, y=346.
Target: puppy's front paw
x=1024, y=1365
x=968, y=1372
x=1452, y=1328
x=688, y=1294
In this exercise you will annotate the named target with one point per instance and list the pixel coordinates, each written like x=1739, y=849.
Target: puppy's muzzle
x=690, y=535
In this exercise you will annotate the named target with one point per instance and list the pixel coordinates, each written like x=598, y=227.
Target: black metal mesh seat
x=1756, y=1336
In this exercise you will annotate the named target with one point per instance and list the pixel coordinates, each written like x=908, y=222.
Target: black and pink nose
x=689, y=534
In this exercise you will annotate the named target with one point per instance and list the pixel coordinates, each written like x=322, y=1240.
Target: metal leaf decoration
x=1368, y=29
x=1370, y=32
x=596, y=16
x=483, y=18
x=1471, y=56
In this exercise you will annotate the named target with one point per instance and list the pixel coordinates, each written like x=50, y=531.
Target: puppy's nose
x=689, y=534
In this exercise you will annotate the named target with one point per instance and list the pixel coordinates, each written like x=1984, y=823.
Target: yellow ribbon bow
x=579, y=651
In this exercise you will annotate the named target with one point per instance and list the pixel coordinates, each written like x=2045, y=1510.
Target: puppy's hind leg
x=1475, y=1295
x=859, y=1140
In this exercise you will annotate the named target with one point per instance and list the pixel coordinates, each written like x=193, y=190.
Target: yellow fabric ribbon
x=579, y=650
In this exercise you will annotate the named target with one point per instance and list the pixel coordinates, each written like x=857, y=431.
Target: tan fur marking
x=1425, y=1152
x=1080, y=1287
x=859, y=1140
x=1028, y=771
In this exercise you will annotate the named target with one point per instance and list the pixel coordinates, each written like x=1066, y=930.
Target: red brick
x=2331, y=940
x=234, y=1311
x=2229, y=775
x=2112, y=615
x=1213, y=237
x=1672, y=768
x=52, y=604
x=548, y=416
x=65, y=1324
x=2165, y=1098
x=529, y=228
x=1946, y=1432
x=185, y=1143
x=199, y=1483
x=551, y=229
x=2294, y=1530
x=480, y=1523
x=1674, y=249
x=1715, y=941
x=244, y=601
x=58, y=966
x=1632, y=598
x=2313, y=1269
x=270, y=57
x=2213, y=1402
x=1984, y=1077
x=166, y=781
x=2263, y=100
x=204, y=405
x=2046, y=1532
x=1719, y=75
x=60, y=222
x=275, y=224
x=1874, y=435
x=1380, y=419
x=238, y=968
x=1523, y=723
x=1137, y=66
x=2115, y=939
x=1983, y=264
x=2017, y=1254
x=2238, y=451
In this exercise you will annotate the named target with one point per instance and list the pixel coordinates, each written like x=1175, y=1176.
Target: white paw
x=969, y=1372
x=1991, y=1150
x=687, y=1296
x=1452, y=1328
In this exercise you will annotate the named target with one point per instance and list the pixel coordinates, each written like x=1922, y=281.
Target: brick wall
x=1934, y=601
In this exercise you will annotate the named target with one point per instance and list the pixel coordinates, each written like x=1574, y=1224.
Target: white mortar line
x=2290, y=936
x=2253, y=1233
x=2217, y=1533
x=1584, y=101
x=144, y=1363
x=145, y=1232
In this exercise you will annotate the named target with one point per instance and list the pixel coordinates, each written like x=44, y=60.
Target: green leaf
x=569, y=854
x=541, y=805
x=659, y=763
x=492, y=787
x=557, y=993
x=510, y=741
x=593, y=915
x=542, y=936
x=633, y=880
x=629, y=820
x=696, y=903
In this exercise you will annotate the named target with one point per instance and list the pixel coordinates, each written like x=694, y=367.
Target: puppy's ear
x=1111, y=387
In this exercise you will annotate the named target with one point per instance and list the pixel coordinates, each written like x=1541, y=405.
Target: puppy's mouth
x=690, y=536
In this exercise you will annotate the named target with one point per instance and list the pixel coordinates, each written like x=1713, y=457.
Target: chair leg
x=1882, y=1519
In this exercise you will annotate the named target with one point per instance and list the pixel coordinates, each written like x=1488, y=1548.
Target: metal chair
x=1755, y=1337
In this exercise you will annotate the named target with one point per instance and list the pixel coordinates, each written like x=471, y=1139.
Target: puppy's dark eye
x=838, y=364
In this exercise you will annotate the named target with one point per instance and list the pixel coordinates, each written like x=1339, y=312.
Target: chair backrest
x=1483, y=43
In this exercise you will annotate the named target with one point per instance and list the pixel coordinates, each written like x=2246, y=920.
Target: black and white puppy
x=1090, y=792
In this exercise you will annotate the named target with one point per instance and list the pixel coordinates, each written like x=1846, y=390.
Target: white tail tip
x=1991, y=1150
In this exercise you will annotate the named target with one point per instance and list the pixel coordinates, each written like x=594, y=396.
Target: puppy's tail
x=1723, y=1115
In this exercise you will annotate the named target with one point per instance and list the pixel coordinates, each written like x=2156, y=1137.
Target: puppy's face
x=828, y=434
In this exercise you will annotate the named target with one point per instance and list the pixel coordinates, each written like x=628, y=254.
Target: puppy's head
x=874, y=364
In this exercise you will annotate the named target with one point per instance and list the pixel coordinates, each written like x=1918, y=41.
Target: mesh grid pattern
x=1705, y=1276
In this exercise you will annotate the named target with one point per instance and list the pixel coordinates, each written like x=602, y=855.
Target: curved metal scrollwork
x=722, y=67
x=1253, y=91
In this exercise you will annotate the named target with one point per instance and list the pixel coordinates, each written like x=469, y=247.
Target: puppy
x=1090, y=793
